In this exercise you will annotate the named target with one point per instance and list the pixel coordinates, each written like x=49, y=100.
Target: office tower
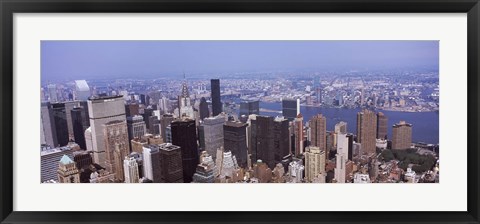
x=132, y=109
x=341, y=157
x=48, y=125
x=262, y=144
x=102, y=110
x=296, y=171
x=366, y=131
x=60, y=120
x=185, y=108
x=147, y=100
x=164, y=123
x=318, y=94
x=78, y=130
x=52, y=93
x=130, y=167
x=67, y=171
x=249, y=107
x=341, y=127
x=83, y=105
x=205, y=172
x=318, y=128
x=350, y=146
x=82, y=90
x=163, y=105
x=314, y=163
x=298, y=126
x=82, y=159
x=402, y=135
x=136, y=127
x=281, y=141
x=142, y=99
x=204, y=112
x=216, y=103
x=289, y=109
x=153, y=125
x=68, y=107
x=147, y=112
x=171, y=163
x=116, y=147
x=226, y=164
x=49, y=158
x=382, y=123
x=213, y=133
x=184, y=135
x=235, y=140
x=151, y=163
x=89, y=139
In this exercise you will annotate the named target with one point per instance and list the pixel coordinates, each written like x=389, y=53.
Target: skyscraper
x=102, y=110
x=213, y=133
x=204, y=112
x=366, y=131
x=130, y=167
x=314, y=163
x=171, y=163
x=298, y=126
x=341, y=127
x=341, y=157
x=249, y=107
x=289, y=109
x=216, y=103
x=318, y=127
x=52, y=93
x=82, y=90
x=60, y=120
x=67, y=171
x=281, y=139
x=235, y=140
x=136, y=127
x=78, y=129
x=185, y=108
x=402, y=135
x=262, y=143
x=151, y=163
x=116, y=147
x=184, y=135
x=382, y=123
x=48, y=125
x=164, y=123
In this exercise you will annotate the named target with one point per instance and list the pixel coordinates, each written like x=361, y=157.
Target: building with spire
x=185, y=108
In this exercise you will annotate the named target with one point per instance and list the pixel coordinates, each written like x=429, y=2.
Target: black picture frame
x=9, y=7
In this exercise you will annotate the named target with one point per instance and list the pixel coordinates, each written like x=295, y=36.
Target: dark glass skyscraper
x=262, y=145
x=60, y=118
x=78, y=129
x=289, y=109
x=204, y=108
x=184, y=135
x=248, y=108
x=235, y=140
x=281, y=139
x=216, y=104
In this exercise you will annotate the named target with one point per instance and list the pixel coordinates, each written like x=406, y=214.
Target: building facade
x=366, y=131
x=116, y=147
x=402, y=135
x=184, y=135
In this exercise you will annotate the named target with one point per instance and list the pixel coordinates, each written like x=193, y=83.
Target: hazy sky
x=90, y=59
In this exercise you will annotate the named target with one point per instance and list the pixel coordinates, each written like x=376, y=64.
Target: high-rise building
x=341, y=157
x=290, y=108
x=171, y=162
x=235, y=140
x=102, y=110
x=296, y=171
x=216, y=103
x=382, y=123
x=206, y=169
x=402, y=135
x=203, y=107
x=213, y=133
x=52, y=93
x=130, y=167
x=318, y=128
x=184, y=135
x=281, y=139
x=366, y=131
x=151, y=163
x=153, y=125
x=68, y=108
x=164, y=123
x=67, y=171
x=48, y=130
x=262, y=140
x=82, y=90
x=78, y=129
x=249, y=107
x=136, y=127
x=298, y=126
x=50, y=157
x=60, y=120
x=132, y=109
x=314, y=163
x=185, y=108
x=318, y=94
x=341, y=127
x=116, y=147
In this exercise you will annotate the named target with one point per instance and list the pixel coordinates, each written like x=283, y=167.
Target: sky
x=69, y=60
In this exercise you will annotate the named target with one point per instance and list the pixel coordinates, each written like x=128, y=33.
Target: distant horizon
x=71, y=60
